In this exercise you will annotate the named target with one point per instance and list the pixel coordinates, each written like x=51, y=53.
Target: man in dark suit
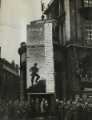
x=34, y=73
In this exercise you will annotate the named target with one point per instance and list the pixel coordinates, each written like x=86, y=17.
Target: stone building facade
x=40, y=51
x=9, y=80
x=72, y=41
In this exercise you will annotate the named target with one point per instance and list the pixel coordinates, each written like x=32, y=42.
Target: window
x=88, y=30
x=87, y=3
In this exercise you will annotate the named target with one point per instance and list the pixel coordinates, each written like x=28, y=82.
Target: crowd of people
x=21, y=110
x=77, y=108
x=14, y=110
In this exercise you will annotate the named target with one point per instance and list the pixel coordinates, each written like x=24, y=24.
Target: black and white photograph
x=45, y=60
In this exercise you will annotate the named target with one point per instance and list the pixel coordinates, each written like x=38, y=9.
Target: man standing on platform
x=34, y=73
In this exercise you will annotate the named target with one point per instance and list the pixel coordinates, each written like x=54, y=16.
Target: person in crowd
x=42, y=105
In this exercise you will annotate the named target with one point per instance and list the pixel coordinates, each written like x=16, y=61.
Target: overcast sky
x=14, y=16
x=36, y=8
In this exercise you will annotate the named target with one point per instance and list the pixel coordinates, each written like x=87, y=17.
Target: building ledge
x=79, y=43
x=87, y=84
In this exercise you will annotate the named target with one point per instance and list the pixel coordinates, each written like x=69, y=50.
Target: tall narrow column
x=22, y=53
